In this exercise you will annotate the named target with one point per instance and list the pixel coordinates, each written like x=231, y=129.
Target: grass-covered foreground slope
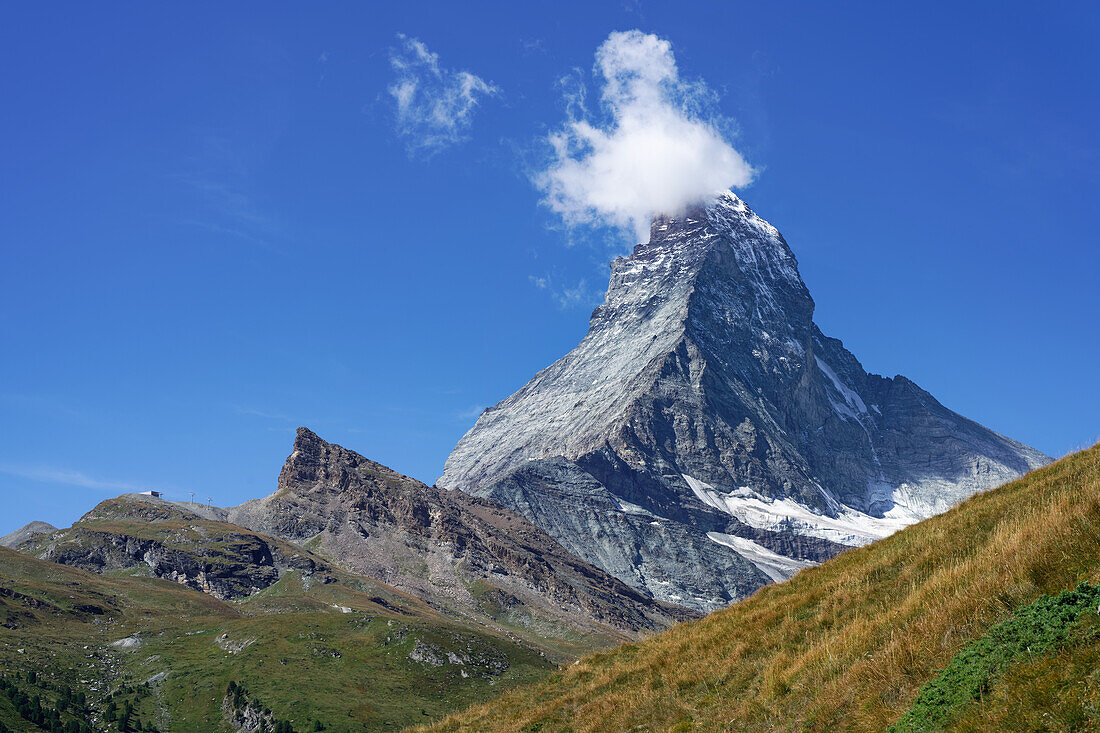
x=848, y=645
x=348, y=655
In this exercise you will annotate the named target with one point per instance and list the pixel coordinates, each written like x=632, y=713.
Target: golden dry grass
x=844, y=646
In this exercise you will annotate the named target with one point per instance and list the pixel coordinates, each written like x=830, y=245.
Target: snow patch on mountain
x=852, y=400
x=629, y=508
x=775, y=566
x=848, y=527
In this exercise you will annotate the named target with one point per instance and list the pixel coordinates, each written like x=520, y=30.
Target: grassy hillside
x=350, y=655
x=848, y=645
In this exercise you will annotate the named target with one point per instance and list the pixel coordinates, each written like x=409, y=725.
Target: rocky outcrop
x=466, y=656
x=705, y=400
x=172, y=543
x=244, y=713
x=455, y=551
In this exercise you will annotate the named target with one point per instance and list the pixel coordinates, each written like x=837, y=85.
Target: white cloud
x=48, y=475
x=656, y=148
x=260, y=413
x=470, y=413
x=568, y=297
x=435, y=106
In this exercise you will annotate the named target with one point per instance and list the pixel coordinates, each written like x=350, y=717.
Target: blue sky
x=216, y=226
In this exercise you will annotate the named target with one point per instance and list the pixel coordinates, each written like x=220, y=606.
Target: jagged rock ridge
x=457, y=552
x=705, y=437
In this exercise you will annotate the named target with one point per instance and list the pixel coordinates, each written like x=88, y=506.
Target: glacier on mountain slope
x=775, y=566
x=848, y=527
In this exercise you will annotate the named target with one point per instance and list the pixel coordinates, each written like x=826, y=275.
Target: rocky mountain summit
x=457, y=552
x=24, y=533
x=706, y=437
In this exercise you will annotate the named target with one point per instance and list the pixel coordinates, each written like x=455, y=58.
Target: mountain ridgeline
x=706, y=437
x=398, y=601
x=457, y=552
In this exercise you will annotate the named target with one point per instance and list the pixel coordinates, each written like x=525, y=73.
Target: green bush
x=1037, y=628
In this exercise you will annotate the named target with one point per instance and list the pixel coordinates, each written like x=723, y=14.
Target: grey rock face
x=705, y=396
x=628, y=541
x=457, y=552
x=24, y=533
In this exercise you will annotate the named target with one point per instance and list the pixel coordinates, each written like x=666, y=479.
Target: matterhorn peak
x=707, y=420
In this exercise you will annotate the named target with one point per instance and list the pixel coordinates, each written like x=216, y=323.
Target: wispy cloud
x=260, y=413
x=275, y=421
x=470, y=412
x=66, y=477
x=568, y=296
x=220, y=178
x=229, y=210
x=532, y=46
x=434, y=105
x=657, y=146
